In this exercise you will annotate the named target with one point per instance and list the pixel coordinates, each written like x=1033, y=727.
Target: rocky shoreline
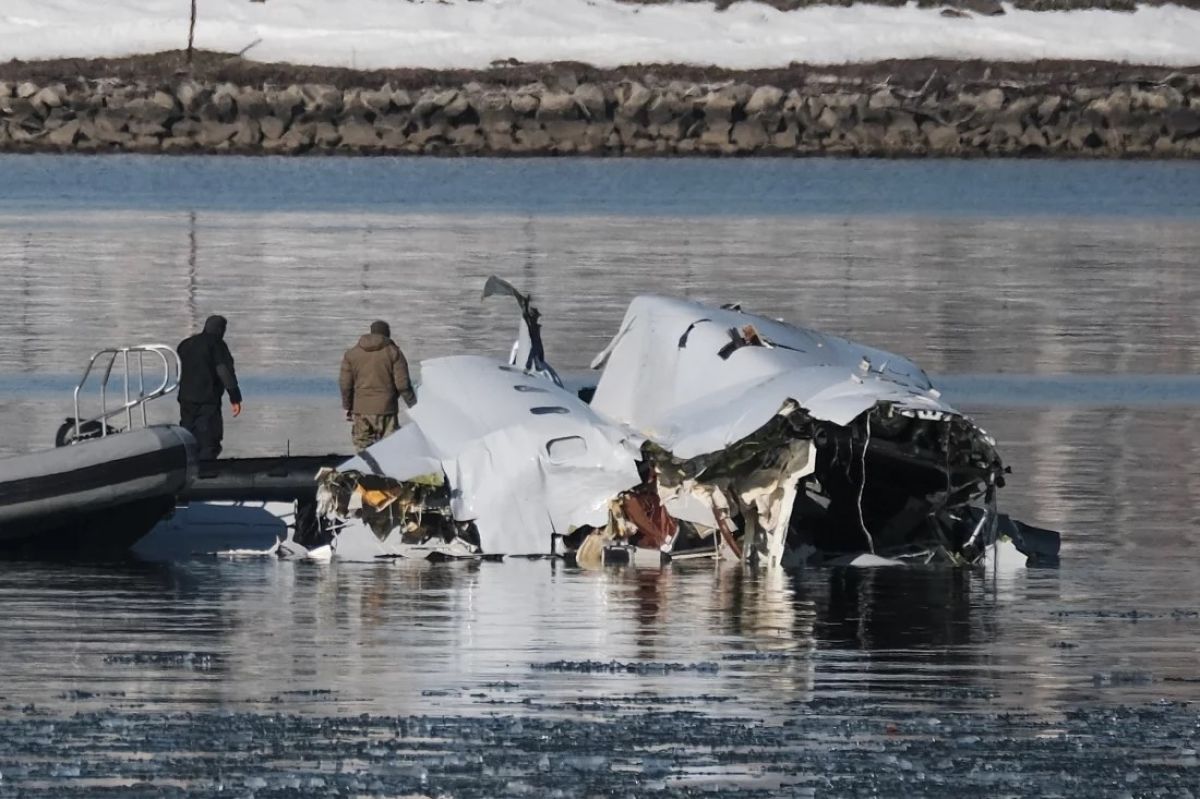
x=892, y=109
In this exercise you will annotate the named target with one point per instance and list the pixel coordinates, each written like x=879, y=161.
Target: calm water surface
x=1055, y=301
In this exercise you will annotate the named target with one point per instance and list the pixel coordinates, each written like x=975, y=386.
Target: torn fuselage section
x=410, y=513
x=496, y=460
x=528, y=353
x=710, y=433
x=773, y=443
x=900, y=483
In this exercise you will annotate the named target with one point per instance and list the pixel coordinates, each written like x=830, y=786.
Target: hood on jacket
x=373, y=341
x=215, y=326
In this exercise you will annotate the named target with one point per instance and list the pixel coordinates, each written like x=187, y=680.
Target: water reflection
x=969, y=295
x=418, y=638
x=981, y=295
x=890, y=609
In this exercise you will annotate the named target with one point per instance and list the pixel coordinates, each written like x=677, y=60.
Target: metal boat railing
x=132, y=358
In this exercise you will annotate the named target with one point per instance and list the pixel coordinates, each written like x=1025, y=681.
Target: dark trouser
x=371, y=427
x=205, y=423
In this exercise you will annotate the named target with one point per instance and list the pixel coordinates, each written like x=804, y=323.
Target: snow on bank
x=370, y=34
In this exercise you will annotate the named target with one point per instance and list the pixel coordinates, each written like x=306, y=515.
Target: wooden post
x=191, y=33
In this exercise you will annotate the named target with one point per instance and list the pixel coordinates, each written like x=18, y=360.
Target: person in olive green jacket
x=374, y=375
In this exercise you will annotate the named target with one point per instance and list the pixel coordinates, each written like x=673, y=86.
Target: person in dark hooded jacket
x=206, y=373
x=373, y=377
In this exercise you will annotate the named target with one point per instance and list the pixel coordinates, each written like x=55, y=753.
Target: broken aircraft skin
x=788, y=442
x=496, y=460
x=710, y=432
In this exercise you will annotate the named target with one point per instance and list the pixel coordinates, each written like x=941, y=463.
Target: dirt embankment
x=222, y=103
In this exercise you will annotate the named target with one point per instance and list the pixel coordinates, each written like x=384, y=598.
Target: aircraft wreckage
x=709, y=432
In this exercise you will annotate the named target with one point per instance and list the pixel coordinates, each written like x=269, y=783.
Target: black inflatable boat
x=102, y=488
x=97, y=495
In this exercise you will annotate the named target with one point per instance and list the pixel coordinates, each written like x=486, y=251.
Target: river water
x=1055, y=301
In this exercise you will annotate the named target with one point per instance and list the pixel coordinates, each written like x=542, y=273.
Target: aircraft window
x=564, y=449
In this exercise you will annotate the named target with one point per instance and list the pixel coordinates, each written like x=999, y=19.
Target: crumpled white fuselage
x=525, y=461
